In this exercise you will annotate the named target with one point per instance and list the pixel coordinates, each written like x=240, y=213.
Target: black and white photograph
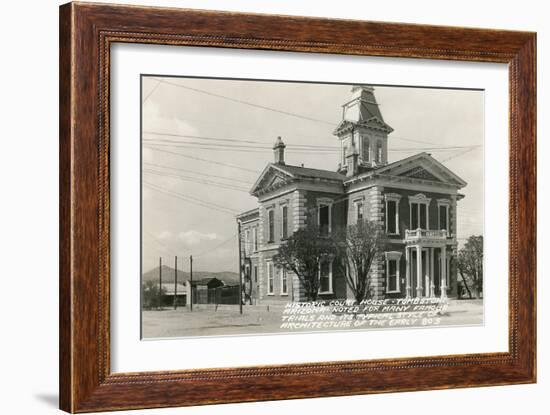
x=288, y=207
x=275, y=207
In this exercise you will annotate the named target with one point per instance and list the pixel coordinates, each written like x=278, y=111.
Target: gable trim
x=422, y=159
x=427, y=162
x=265, y=172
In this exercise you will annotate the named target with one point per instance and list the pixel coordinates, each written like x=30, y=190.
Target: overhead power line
x=205, y=160
x=193, y=200
x=232, y=179
x=196, y=180
x=204, y=138
x=459, y=154
x=393, y=137
x=216, y=247
x=251, y=104
x=151, y=92
x=157, y=241
x=166, y=142
x=247, y=143
x=277, y=110
x=268, y=144
x=223, y=149
x=258, y=149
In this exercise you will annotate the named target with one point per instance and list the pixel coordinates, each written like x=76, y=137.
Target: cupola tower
x=362, y=130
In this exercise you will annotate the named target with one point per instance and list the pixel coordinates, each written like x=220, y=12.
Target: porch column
x=407, y=272
x=419, y=271
x=443, y=276
x=432, y=283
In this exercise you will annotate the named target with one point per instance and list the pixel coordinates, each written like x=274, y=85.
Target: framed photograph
x=259, y=207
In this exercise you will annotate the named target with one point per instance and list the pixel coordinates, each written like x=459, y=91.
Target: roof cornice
x=346, y=125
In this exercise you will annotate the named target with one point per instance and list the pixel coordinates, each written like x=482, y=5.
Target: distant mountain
x=229, y=278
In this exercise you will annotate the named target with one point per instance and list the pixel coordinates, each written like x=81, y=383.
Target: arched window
x=379, y=152
x=366, y=149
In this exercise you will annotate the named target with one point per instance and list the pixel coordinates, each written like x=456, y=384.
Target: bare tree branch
x=358, y=246
x=302, y=254
x=470, y=263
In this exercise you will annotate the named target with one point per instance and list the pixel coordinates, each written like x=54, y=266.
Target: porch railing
x=424, y=233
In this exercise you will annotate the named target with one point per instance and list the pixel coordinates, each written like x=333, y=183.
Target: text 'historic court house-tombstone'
x=414, y=199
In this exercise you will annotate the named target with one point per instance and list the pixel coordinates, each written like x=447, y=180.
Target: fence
x=220, y=295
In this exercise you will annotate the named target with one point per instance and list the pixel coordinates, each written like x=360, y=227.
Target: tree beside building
x=470, y=265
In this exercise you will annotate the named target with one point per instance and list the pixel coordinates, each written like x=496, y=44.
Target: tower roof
x=362, y=110
x=363, y=97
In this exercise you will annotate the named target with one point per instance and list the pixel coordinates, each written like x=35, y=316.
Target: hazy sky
x=190, y=198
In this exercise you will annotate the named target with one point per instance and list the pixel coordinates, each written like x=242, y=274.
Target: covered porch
x=427, y=264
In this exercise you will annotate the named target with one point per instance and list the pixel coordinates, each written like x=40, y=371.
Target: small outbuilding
x=168, y=292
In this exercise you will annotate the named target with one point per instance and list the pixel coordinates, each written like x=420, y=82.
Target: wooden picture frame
x=87, y=32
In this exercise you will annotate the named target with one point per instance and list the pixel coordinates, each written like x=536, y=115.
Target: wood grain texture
x=86, y=34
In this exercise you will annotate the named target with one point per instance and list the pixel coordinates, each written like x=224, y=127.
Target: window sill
x=393, y=292
x=325, y=292
x=270, y=294
x=284, y=294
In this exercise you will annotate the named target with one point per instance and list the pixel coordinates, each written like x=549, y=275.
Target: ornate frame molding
x=87, y=32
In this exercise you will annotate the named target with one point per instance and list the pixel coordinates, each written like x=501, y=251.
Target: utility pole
x=191, y=282
x=176, y=282
x=160, y=282
x=240, y=270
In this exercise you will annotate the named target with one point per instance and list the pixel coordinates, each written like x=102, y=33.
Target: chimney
x=352, y=161
x=279, y=151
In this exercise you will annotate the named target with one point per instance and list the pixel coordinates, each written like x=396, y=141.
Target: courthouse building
x=415, y=199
